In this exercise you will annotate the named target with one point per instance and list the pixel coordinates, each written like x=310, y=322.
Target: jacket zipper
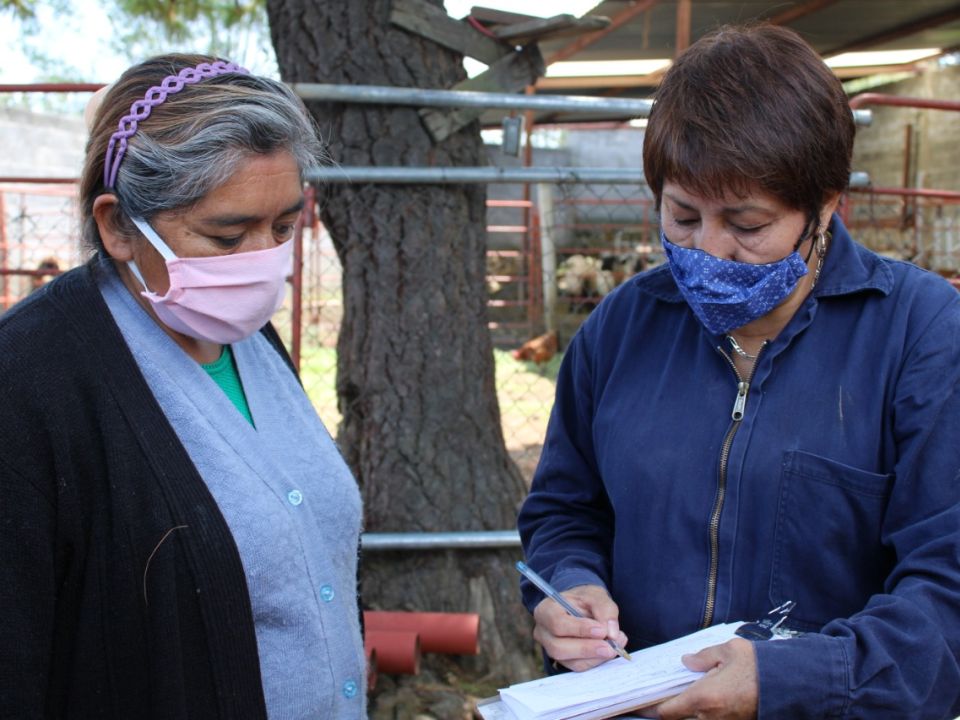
x=739, y=406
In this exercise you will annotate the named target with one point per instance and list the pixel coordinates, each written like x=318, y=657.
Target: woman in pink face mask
x=221, y=274
x=179, y=531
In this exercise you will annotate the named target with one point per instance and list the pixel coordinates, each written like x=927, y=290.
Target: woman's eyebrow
x=729, y=210
x=677, y=201
x=740, y=209
x=228, y=220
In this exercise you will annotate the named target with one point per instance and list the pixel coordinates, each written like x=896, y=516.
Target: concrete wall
x=38, y=145
x=907, y=147
x=583, y=205
x=39, y=221
x=935, y=153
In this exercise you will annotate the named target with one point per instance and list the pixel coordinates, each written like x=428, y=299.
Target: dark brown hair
x=748, y=107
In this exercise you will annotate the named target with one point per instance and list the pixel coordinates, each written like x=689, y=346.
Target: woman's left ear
x=116, y=242
x=829, y=207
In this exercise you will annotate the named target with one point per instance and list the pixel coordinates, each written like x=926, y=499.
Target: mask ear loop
x=151, y=235
x=154, y=239
x=807, y=232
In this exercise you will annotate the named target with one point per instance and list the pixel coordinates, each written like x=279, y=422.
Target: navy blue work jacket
x=839, y=488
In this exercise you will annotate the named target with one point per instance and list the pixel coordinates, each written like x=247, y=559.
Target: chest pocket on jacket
x=827, y=553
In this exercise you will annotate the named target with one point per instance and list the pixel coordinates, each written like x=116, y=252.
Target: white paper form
x=654, y=673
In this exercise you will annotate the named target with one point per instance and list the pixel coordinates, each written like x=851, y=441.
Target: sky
x=82, y=38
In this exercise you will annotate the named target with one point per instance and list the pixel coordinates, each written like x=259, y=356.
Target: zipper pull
x=741, y=402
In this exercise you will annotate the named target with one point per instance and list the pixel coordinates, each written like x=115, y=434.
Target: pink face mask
x=222, y=298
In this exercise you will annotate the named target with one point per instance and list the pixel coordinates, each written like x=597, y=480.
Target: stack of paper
x=616, y=686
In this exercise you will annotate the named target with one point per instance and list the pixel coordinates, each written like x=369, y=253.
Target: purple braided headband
x=141, y=109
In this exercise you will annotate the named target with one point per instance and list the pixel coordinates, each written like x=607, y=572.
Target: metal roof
x=830, y=26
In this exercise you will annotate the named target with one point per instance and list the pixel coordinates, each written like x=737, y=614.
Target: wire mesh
x=39, y=227
x=922, y=230
x=322, y=312
x=551, y=260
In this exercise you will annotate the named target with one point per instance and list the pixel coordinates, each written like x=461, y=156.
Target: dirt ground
x=526, y=457
x=426, y=696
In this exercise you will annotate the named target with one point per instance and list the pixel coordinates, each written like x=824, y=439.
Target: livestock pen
x=559, y=238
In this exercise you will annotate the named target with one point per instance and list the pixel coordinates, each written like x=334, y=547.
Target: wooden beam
x=432, y=22
x=491, y=16
x=849, y=73
x=604, y=81
x=909, y=28
x=799, y=11
x=509, y=74
x=683, y=27
x=548, y=28
x=616, y=21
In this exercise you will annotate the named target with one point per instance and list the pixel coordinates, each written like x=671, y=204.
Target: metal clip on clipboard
x=770, y=626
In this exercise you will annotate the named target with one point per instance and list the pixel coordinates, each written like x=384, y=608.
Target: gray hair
x=193, y=141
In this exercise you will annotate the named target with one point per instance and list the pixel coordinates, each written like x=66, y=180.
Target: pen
x=548, y=590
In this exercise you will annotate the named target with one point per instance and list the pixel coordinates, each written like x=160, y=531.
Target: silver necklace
x=821, y=248
x=739, y=350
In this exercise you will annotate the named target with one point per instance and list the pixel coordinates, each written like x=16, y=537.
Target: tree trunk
x=421, y=426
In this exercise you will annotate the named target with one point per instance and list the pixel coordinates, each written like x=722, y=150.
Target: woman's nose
x=263, y=240
x=714, y=241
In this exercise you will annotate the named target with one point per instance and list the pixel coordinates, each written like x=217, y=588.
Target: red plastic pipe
x=450, y=633
x=397, y=651
x=4, y=283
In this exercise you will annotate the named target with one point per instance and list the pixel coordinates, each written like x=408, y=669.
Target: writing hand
x=579, y=643
x=729, y=690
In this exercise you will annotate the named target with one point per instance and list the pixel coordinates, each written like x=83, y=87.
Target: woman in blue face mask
x=770, y=416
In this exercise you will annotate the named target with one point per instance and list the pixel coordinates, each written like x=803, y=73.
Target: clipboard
x=493, y=708
x=611, y=689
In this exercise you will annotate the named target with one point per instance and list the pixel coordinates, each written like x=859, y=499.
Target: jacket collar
x=848, y=268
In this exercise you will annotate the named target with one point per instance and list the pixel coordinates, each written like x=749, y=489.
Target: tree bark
x=421, y=426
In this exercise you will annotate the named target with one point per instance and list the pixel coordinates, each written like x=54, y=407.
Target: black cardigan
x=98, y=617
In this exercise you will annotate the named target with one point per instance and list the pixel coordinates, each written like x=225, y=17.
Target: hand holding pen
x=571, y=642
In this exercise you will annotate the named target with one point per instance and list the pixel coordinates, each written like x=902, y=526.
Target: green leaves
x=24, y=9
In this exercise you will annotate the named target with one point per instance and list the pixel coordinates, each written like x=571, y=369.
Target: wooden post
x=683, y=27
x=548, y=254
x=433, y=23
x=616, y=21
x=907, y=167
x=4, y=283
x=510, y=73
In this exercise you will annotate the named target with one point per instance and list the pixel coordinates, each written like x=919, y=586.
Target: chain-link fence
x=551, y=260
x=923, y=228
x=39, y=233
x=559, y=239
x=38, y=236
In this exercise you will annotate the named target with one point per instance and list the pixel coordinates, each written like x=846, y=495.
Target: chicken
x=581, y=278
x=539, y=349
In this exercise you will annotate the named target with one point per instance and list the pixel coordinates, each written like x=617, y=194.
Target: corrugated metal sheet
x=652, y=34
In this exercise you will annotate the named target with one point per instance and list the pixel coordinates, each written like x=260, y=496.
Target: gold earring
x=821, y=254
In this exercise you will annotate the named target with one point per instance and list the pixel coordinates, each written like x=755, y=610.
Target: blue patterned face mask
x=726, y=294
